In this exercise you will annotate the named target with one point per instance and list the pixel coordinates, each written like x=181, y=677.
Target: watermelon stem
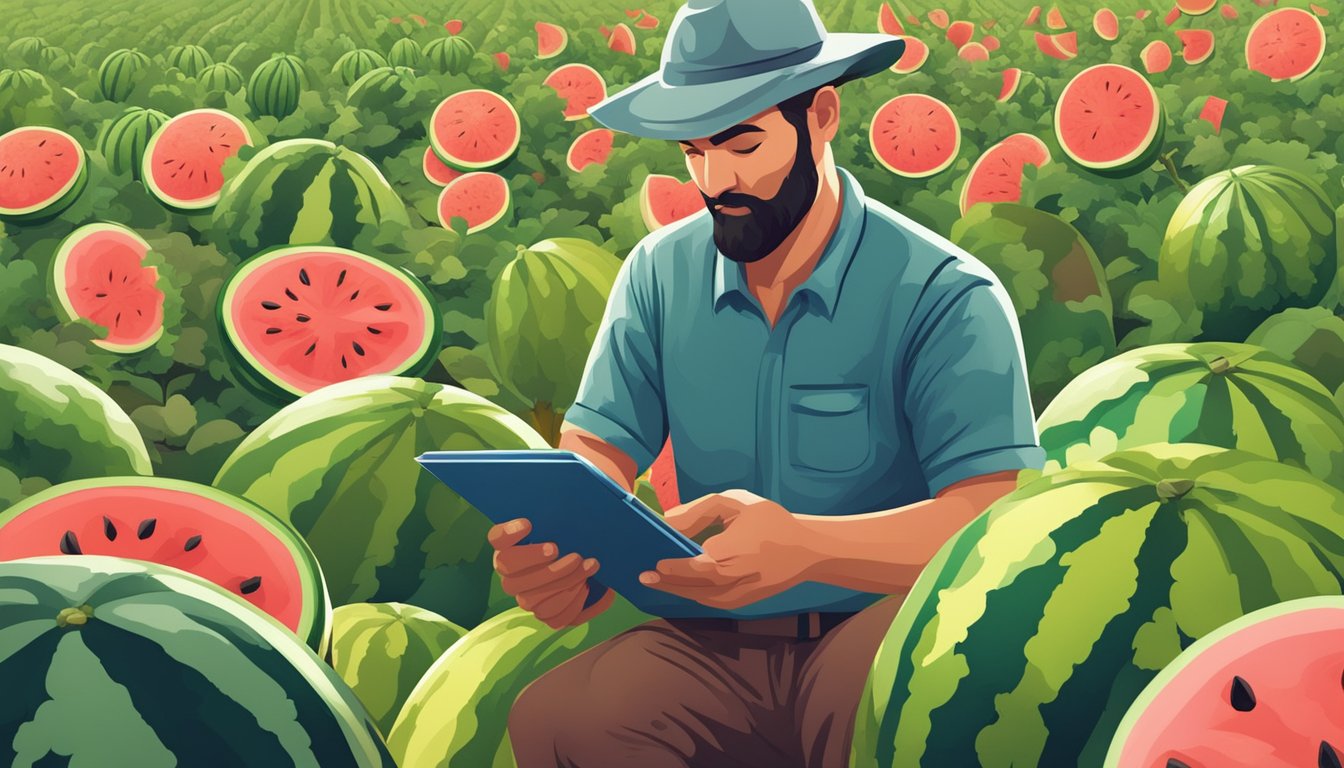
x=547, y=422
x=1171, y=171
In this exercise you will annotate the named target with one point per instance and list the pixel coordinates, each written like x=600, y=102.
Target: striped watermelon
x=127, y=663
x=190, y=59
x=1312, y=338
x=1227, y=395
x=383, y=649
x=388, y=91
x=120, y=72
x=274, y=86
x=305, y=191
x=354, y=64
x=449, y=55
x=221, y=77
x=339, y=464
x=406, y=53
x=1029, y=634
x=457, y=716
x=122, y=141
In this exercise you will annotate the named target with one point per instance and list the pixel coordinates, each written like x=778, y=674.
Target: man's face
x=758, y=178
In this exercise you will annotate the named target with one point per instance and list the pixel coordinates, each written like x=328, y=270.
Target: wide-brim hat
x=726, y=60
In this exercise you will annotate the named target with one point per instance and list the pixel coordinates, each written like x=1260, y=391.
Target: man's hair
x=794, y=109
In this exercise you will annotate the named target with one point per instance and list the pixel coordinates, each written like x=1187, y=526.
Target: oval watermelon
x=1285, y=44
x=1109, y=120
x=551, y=39
x=122, y=141
x=959, y=33
x=591, y=147
x=120, y=72
x=1156, y=57
x=449, y=55
x=221, y=77
x=183, y=164
x=353, y=65
x=275, y=84
x=1030, y=632
x=45, y=170
x=406, y=53
x=997, y=176
x=191, y=60
x=480, y=198
x=475, y=130
x=181, y=671
x=580, y=86
x=99, y=275
x=666, y=199
x=389, y=91
x=914, y=135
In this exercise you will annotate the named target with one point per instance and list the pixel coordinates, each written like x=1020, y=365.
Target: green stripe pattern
x=191, y=60
x=386, y=90
x=305, y=192
x=406, y=53
x=355, y=64
x=221, y=77
x=1027, y=637
x=383, y=649
x=1227, y=395
x=449, y=55
x=119, y=73
x=457, y=717
x=122, y=141
x=108, y=661
x=275, y=85
x=339, y=464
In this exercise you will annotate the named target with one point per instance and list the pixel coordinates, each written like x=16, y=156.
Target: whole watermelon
x=57, y=426
x=125, y=663
x=353, y=65
x=1248, y=242
x=339, y=464
x=1057, y=285
x=122, y=141
x=191, y=60
x=1028, y=635
x=449, y=55
x=1312, y=338
x=406, y=53
x=29, y=98
x=275, y=84
x=221, y=76
x=457, y=716
x=305, y=191
x=1226, y=395
x=541, y=319
x=383, y=649
x=389, y=91
x=120, y=72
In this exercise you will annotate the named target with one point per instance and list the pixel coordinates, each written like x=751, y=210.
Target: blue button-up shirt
x=895, y=370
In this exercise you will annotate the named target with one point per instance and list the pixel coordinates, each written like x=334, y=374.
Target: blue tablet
x=578, y=507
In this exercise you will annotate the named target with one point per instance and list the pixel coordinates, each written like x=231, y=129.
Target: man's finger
x=515, y=583
x=524, y=557
x=508, y=533
x=601, y=605
x=690, y=571
x=557, y=614
x=694, y=516
x=531, y=599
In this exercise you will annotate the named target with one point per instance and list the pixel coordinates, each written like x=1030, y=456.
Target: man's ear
x=825, y=113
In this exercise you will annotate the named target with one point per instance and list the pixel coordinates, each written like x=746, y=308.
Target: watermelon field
x=256, y=257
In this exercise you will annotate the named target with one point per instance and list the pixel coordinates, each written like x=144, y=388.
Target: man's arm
x=616, y=463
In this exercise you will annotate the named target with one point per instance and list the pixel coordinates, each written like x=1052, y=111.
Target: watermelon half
x=1260, y=690
x=1285, y=44
x=1105, y=24
x=475, y=129
x=183, y=161
x=1196, y=45
x=915, y=135
x=551, y=39
x=1012, y=78
x=1196, y=7
x=481, y=198
x=973, y=52
x=220, y=537
x=435, y=170
x=99, y=275
x=43, y=169
x=960, y=33
x=912, y=58
x=1156, y=57
x=1109, y=120
x=297, y=318
x=622, y=40
x=997, y=176
x=665, y=199
x=591, y=147
x=580, y=86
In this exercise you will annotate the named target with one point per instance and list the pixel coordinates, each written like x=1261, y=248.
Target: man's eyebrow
x=731, y=133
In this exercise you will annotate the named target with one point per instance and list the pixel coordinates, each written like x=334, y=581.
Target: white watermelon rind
x=62, y=199
x=146, y=168
x=465, y=165
x=564, y=41
x=1250, y=35
x=1140, y=154
x=66, y=310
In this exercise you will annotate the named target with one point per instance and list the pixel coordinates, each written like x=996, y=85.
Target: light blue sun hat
x=726, y=60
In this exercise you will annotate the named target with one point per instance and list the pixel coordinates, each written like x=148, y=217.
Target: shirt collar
x=824, y=282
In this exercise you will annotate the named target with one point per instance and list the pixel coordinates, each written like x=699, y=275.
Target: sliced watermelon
x=665, y=199
x=1033, y=16
x=973, y=52
x=220, y=537
x=1109, y=120
x=454, y=26
x=1142, y=14
x=418, y=19
x=647, y=21
x=591, y=147
x=1318, y=10
x=1012, y=77
x=475, y=129
x=1156, y=57
x=44, y=170
x=913, y=20
x=915, y=135
x=1212, y=112
x=183, y=161
x=436, y=171
x=551, y=39
x=960, y=33
x=887, y=22
x=1285, y=44
x=1105, y=24
x=939, y=18
x=1228, y=11
x=1055, y=19
x=481, y=198
x=912, y=58
x=1062, y=46
x=1196, y=45
x=503, y=60
x=1172, y=16
x=1196, y=7
x=297, y=318
x=990, y=42
x=99, y=275
x=997, y=176
x=580, y=86
x=622, y=40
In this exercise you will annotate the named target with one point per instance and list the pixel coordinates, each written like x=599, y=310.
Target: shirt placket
x=770, y=399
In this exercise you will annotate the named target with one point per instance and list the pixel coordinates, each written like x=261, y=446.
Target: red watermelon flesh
x=1142, y=14
x=1062, y=46
x=622, y=40
x=1034, y=15
x=1055, y=19
x=503, y=60
x=590, y=147
x=1318, y=10
x=39, y=166
x=1105, y=24
x=435, y=169
x=454, y=26
x=474, y=129
x=990, y=42
x=647, y=21
x=100, y=276
x=580, y=86
x=915, y=135
x=960, y=33
x=1196, y=44
x=665, y=199
x=1285, y=44
x=1213, y=111
x=887, y=22
x=997, y=176
x=1263, y=690
x=1172, y=16
x=1012, y=76
x=551, y=39
x=1108, y=117
x=481, y=198
x=912, y=58
x=973, y=52
x=663, y=478
x=1228, y=11
x=183, y=160
x=1156, y=57
x=939, y=18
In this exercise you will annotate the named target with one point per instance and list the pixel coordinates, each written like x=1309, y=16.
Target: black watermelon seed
x=1327, y=757
x=270, y=305
x=1174, y=763
x=1243, y=698
x=311, y=348
x=250, y=586
x=109, y=530
x=272, y=331
x=146, y=528
x=303, y=277
x=302, y=318
x=354, y=295
x=340, y=278
x=374, y=331
x=343, y=365
x=70, y=544
x=382, y=307
x=358, y=349
x=291, y=295
x=192, y=543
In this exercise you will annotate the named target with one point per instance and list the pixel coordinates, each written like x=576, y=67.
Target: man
x=844, y=390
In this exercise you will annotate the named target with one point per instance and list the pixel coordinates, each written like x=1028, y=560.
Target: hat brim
x=653, y=109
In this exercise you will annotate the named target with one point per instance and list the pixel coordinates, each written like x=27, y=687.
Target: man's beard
x=752, y=236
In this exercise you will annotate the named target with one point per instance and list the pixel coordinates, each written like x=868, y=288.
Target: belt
x=799, y=626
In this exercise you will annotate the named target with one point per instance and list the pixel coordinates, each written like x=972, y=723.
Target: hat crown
x=709, y=36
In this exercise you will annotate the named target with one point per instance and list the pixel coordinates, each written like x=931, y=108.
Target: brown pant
x=678, y=693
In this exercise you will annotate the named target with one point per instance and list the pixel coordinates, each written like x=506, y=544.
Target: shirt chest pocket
x=828, y=426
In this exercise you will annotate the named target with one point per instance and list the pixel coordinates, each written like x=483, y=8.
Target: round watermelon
x=275, y=84
x=383, y=649
x=391, y=92
x=1285, y=44
x=480, y=198
x=353, y=65
x=1312, y=338
x=474, y=130
x=457, y=715
x=128, y=663
x=1222, y=394
x=591, y=147
x=1028, y=635
x=184, y=161
x=222, y=77
x=298, y=318
x=45, y=171
x=1156, y=57
x=339, y=465
x=914, y=135
x=190, y=60
x=1261, y=690
x=997, y=176
x=100, y=275
x=1110, y=121
x=122, y=141
x=667, y=199
x=580, y=86
x=449, y=55
x=332, y=196
x=120, y=72
x=406, y=53
x=1249, y=242
x=1106, y=24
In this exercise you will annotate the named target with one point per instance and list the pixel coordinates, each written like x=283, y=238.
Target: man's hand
x=552, y=588
x=762, y=551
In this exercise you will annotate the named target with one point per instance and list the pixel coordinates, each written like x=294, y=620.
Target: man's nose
x=718, y=176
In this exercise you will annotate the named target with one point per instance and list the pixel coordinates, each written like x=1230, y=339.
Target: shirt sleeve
x=620, y=397
x=967, y=398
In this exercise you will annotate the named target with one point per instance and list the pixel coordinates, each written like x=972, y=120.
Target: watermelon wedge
x=1172, y=16
x=1109, y=120
x=938, y=18
x=183, y=161
x=220, y=537
x=647, y=21
x=475, y=129
x=915, y=135
x=99, y=275
x=454, y=26
x=997, y=176
x=1318, y=10
x=912, y=58
x=990, y=42
x=481, y=198
x=973, y=52
x=1033, y=16
x=622, y=40
x=665, y=199
x=1285, y=44
x=435, y=170
x=1142, y=14
x=297, y=318
x=1212, y=112
x=591, y=147
x=1055, y=19
x=1156, y=57
x=1196, y=45
x=502, y=59
x=580, y=86
x=1012, y=77
x=1062, y=46
x=887, y=22
x=1196, y=7
x=960, y=33
x=44, y=170
x=1228, y=11
x=551, y=39
x=1105, y=24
